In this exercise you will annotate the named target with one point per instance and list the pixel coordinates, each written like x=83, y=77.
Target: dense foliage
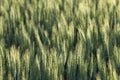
x=59, y=40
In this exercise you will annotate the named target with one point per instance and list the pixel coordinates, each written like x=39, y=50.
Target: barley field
x=59, y=39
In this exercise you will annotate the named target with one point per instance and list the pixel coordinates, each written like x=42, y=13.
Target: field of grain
x=59, y=40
